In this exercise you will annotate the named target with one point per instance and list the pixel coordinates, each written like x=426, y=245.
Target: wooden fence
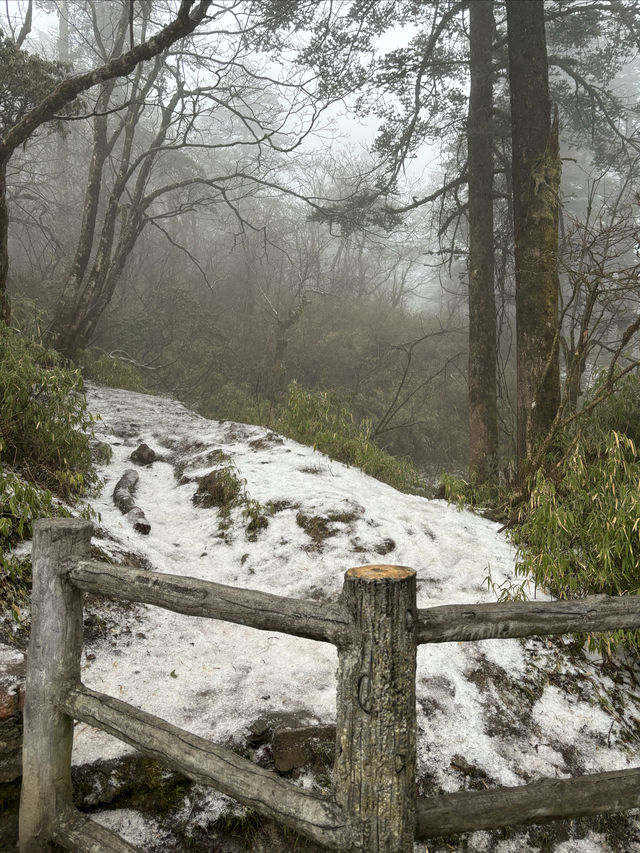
x=376, y=627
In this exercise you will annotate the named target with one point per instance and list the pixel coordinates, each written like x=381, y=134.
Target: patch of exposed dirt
x=183, y=460
x=237, y=432
x=343, y=516
x=271, y=439
x=385, y=547
x=317, y=527
x=508, y=702
x=274, y=507
x=132, y=430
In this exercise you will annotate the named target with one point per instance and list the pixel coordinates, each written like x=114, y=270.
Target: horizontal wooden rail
x=75, y=831
x=551, y=799
x=467, y=622
x=374, y=624
x=326, y=622
x=315, y=817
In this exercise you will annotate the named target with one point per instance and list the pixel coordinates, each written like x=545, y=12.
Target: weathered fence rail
x=329, y=622
x=376, y=628
x=467, y=622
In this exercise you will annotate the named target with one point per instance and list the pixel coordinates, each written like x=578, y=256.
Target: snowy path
x=484, y=702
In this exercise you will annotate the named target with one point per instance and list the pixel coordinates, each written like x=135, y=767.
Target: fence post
x=53, y=664
x=375, y=766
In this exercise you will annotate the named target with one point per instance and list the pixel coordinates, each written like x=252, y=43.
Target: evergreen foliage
x=21, y=503
x=580, y=533
x=112, y=372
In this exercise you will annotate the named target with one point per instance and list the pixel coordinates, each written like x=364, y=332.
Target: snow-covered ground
x=503, y=711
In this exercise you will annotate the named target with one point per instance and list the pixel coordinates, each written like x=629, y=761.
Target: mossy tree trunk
x=5, y=307
x=536, y=185
x=483, y=413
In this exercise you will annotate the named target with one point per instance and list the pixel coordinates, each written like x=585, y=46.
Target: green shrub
x=231, y=402
x=44, y=422
x=620, y=411
x=112, y=372
x=21, y=504
x=44, y=449
x=324, y=421
x=224, y=489
x=580, y=533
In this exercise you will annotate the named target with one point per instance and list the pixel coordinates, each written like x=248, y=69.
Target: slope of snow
x=513, y=711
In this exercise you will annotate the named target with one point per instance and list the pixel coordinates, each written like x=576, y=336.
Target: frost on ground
x=489, y=713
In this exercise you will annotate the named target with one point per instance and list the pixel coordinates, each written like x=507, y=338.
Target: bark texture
x=5, y=307
x=551, y=799
x=536, y=173
x=92, y=281
x=53, y=664
x=483, y=406
x=328, y=622
x=464, y=622
x=375, y=764
x=123, y=499
x=78, y=833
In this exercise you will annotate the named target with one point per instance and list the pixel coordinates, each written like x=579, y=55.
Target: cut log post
x=123, y=499
x=53, y=665
x=374, y=773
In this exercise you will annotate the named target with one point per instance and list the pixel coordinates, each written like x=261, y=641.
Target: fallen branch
x=123, y=499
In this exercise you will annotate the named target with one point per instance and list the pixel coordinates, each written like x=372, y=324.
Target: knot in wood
x=399, y=762
x=408, y=620
x=364, y=693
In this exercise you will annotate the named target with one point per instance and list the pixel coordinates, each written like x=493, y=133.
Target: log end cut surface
x=380, y=572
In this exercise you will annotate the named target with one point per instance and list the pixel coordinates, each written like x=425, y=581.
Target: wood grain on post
x=375, y=766
x=53, y=664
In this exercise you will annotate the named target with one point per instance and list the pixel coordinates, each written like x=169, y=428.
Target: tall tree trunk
x=536, y=185
x=64, y=54
x=88, y=294
x=483, y=415
x=58, y=334
x=5, y=305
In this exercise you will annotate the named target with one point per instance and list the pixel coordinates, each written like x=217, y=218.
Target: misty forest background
x=403, y=232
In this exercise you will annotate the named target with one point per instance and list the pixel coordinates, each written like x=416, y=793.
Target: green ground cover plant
x=325, y=421
x=45, y=449
x=577, y=522
x=580, y=533
x=107, y=370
